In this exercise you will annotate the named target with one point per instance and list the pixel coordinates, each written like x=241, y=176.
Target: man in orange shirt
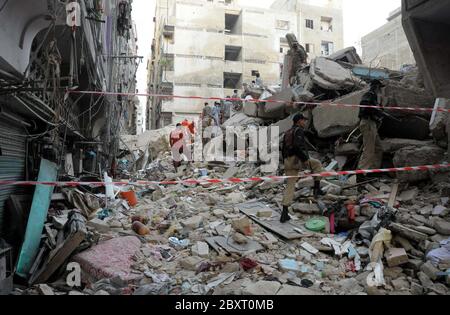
x=177, y=145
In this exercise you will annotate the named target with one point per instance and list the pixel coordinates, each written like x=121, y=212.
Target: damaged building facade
x=233, y=43
x=387, y=46
x=49, y=51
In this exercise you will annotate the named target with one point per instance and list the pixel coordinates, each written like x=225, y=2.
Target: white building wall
x=387, y=46
x=200, y=40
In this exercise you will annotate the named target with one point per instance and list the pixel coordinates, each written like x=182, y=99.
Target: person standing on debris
x=296, y=158
x=177, y=144
x=226, y=110
x=216, y=114
x=259, y=82
x=372, y=154
x=190, y=129
x=237, y=104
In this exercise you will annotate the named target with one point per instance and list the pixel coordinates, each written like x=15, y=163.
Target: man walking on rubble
x=177, y=144
x=372, y=154
x=259, y=82
x=206, y=115
x=296, y=158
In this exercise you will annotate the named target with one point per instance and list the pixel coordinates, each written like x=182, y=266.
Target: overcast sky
x=360, y=18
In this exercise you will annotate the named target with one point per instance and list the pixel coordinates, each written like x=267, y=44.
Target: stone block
x=396, y=257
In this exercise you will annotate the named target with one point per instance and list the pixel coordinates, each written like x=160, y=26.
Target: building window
x=327, y=48
x=310, y=24
x=167, y=119
x=282, y=25
x=233, y=24
x=309, y=48
x=232, y=80
x=281, y=50
x=326, y=24
x=233, y=53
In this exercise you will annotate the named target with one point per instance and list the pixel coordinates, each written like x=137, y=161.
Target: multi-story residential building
x=209, y=48
x=388, y=46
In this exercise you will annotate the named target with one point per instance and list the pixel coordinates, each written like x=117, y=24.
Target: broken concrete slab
x=330, y=121
x=231, y=246
x=192, y=223
x=191, y=263
x=330, y=75
x=200, y=249
x=424, y=280
x=400, y=284
x=442, y=226
x=396, y=257
x=409, y=195
x=407, y=232
x=430, y=270
x=412, y=156
x=242, y=120
x=424, y=229
x=393, y=145
x=306, y=208
x=347, y=55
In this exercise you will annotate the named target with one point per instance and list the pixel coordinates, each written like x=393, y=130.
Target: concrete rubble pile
x=387, y=238
x=384, y=236
x=342, y=79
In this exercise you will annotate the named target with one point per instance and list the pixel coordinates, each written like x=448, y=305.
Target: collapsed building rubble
x=387, y=238
x=382, y=236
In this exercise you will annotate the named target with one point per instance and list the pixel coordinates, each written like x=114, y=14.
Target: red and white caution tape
x=396, y=108
x=233, y=180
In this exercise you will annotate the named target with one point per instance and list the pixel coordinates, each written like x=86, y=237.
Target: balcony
x=168, y=31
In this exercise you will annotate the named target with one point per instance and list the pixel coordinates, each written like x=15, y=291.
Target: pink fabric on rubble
x=110, y=259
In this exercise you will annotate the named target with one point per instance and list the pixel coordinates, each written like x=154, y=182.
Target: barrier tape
x=409, y=109
x=231, y=180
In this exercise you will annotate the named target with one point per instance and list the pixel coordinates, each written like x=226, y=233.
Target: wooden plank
x=63, y=252
x=393, y=196
x=38, y=260
x=285, y=230
x=50, y=236
x=36, y=220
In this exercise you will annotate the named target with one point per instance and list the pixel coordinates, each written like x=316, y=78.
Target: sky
x=360, y=18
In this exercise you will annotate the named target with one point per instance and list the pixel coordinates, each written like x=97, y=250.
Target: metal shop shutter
x=12, y=160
